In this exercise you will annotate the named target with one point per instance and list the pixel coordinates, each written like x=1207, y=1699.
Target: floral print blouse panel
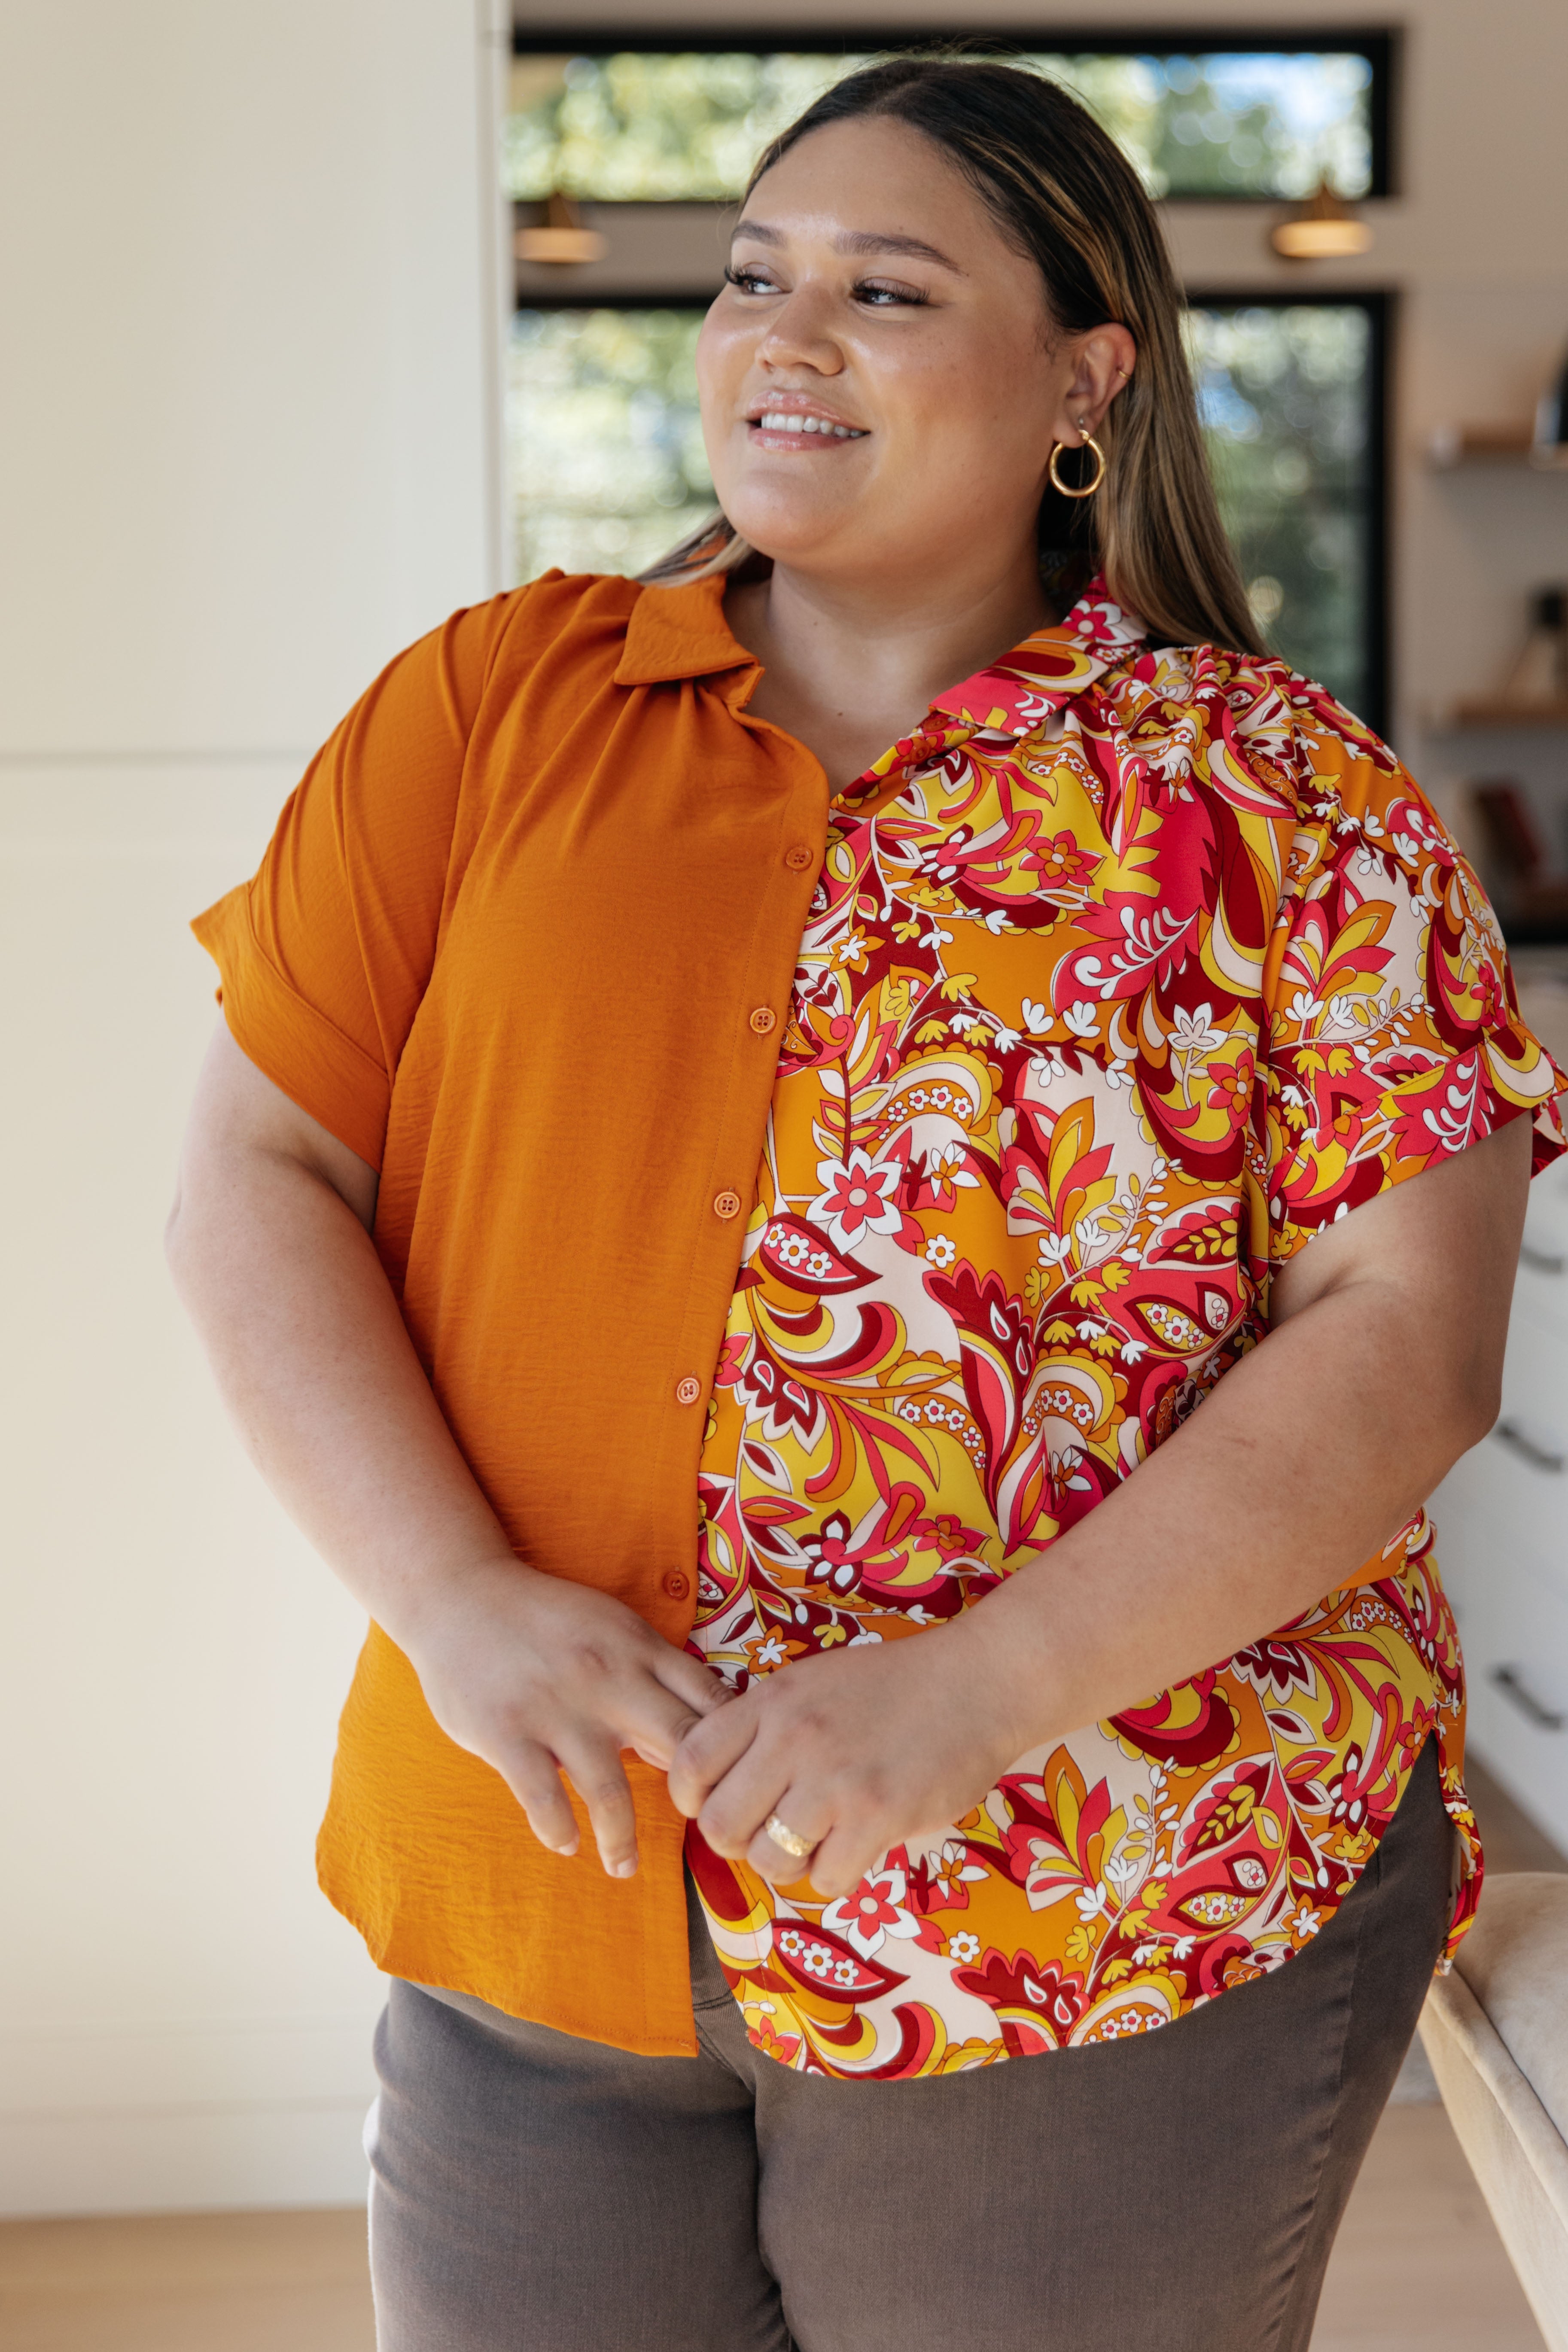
x=1125, y=973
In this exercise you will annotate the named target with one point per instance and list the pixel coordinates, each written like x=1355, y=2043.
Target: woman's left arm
x=1381, y=1365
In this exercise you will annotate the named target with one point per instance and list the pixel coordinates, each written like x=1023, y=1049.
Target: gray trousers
x=537, y=2193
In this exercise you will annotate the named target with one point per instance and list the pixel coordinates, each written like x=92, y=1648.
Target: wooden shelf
x=1493, y=710
x=1457, y=444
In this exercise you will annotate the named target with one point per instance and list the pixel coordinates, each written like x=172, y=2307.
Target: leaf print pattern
x=1126, y=972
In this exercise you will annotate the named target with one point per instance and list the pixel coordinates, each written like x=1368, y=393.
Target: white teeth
x=779, y=422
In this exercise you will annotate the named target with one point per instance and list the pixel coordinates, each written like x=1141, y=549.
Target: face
x=880, y=383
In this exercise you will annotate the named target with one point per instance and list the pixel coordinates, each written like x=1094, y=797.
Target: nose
x=800, y=334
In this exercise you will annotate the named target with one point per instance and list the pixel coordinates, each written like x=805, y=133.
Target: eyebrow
x=856, y=240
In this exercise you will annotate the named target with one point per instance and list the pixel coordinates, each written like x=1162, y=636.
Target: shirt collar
x=677, y=632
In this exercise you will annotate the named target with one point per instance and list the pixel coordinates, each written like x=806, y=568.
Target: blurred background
x=323, y=318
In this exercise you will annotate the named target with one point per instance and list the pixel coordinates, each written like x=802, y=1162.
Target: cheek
x=723, y=357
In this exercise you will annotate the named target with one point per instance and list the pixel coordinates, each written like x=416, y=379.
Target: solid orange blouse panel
x=456, y=956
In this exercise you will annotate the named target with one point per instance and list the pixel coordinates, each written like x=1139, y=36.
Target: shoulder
x=1247, y=727
x=568, y=615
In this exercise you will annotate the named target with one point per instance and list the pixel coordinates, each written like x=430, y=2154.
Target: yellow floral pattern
x=1128, y=971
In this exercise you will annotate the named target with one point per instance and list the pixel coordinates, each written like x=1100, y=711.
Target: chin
x=780, y=529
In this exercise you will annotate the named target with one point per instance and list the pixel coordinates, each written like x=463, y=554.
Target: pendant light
x=1324, y=228
x=563, y=240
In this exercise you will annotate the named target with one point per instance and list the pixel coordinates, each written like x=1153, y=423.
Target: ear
x=1102, y=362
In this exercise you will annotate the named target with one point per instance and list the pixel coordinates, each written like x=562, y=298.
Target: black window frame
x=1380, y=305
x=1381, y=47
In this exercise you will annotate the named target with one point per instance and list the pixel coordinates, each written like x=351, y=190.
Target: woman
x=689, y=1196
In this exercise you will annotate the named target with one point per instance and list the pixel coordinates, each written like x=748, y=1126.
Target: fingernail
x=622, y=1869
x=567, y=1850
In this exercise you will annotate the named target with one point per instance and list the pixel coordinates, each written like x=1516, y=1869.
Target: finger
x=737, y=1807
x=846, y=1855
x=805, y=1817
x=709, y=1749
x=596, y=1772
x=530, y=1773
x=654, y=1719
x=703, y=1690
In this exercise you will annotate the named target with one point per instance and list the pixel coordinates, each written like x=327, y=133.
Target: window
x=1291, y=395
x=608, y=467
x=607, y=459
x=633, y=125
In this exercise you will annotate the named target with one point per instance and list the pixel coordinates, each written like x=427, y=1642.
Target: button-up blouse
x=808, y=1207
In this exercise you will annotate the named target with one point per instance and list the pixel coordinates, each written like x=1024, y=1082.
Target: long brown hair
x=1062, y=191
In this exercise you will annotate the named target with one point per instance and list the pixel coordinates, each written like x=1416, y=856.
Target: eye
x=751, y=280
x=883, y=294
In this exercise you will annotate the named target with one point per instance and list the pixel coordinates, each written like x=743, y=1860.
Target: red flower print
x=1060, y=864
x=875, y=1910
x=856, y=1199
x=833, y=1558
x=1230, y=1089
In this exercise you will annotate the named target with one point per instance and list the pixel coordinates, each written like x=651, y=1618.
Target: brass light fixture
x=563, y=239
x=1324, y=228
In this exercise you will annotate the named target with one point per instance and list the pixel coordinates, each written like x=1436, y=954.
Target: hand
x=539, y=1677
x=858, y=1751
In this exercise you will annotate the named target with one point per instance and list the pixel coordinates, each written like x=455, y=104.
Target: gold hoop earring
x=1088, y=488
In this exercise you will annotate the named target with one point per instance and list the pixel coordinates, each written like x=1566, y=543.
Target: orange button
x=688, y=1391
x=798, y=858
x=764, y=1019
x=727, y=1205
x=677, y=1585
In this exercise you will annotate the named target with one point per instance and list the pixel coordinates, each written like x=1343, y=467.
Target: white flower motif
x=941, y=1251
x=1035, y=1016
x=1194, y=1032
x=1006, y=1038
x=1082, y=1018
x=1093, y=1902
x=1117, y=1074
x=944, y=1165
x=963, y=1948
x=1055, y=1247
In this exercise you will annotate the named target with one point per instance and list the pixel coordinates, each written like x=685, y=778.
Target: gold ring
x=791, y=1840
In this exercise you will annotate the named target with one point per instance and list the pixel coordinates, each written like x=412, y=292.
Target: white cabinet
x=1501, y=1517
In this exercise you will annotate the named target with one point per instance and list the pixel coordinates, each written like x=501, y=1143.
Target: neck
x=848, y=668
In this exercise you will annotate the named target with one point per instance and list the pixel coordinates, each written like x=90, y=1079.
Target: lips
x=793, y=420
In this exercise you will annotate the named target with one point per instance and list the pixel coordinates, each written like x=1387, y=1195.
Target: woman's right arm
x=269, y=1245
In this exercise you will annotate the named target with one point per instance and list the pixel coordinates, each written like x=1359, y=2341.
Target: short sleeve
x=1393, y=1034
x=325, y=954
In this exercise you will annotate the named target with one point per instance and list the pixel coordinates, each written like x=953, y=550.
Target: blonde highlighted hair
x=1061, y=191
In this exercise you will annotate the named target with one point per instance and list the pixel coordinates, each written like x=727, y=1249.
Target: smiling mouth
x=783, y=428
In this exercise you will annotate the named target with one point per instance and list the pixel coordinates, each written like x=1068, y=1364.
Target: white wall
x=247, y=449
